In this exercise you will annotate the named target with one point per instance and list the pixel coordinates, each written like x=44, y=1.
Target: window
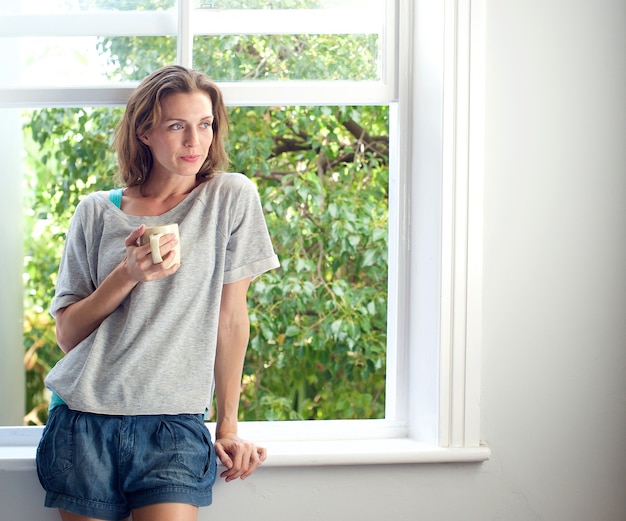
x=435, y=127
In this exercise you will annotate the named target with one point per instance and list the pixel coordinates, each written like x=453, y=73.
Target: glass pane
x=289, y=57
x=66, y=154
x=318, y=325
x=132, y=58
x=71, y=6
x=285, y=4
x=127, y=5
x=80, y=61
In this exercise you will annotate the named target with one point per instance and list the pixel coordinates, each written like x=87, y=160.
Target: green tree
x=318, y=325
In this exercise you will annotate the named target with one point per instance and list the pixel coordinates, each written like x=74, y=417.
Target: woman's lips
x=191, y=158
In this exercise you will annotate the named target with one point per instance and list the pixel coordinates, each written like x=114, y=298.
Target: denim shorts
x=106, y=466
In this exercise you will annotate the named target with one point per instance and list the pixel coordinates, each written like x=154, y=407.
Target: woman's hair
x=143, y=112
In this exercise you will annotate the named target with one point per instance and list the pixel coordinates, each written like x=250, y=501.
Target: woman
x=148, y=344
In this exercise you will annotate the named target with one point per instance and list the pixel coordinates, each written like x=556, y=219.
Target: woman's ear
x=144, y=139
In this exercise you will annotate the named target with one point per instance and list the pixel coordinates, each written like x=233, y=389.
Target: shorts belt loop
x=127, y=436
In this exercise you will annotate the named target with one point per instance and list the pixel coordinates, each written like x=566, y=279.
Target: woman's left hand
x=240, y=457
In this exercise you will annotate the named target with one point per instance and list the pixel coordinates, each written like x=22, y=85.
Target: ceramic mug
x=152, y=236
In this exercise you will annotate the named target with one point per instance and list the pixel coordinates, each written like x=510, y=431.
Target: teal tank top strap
x=115, y=196
x=55, y=400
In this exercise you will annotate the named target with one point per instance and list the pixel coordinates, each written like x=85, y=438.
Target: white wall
x=554, y=392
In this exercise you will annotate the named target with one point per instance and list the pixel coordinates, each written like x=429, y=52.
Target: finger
x=262, y=452
x=141, y=255
x=144, y=269
x=255, y=461
x=236, y=470
x=240, y=465
x=165, y=268
x=230, y=474
x=168, y=265
x=223, y=456
x=168, y=251
x=134, y=235
x=251, y=461
x=258, y=457
x=169, y=239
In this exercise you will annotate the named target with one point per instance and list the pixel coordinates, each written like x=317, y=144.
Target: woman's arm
x=77, y=321
x=240, y=457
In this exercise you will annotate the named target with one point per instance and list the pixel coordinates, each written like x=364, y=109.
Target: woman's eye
x=205, y=125
x=176, y=126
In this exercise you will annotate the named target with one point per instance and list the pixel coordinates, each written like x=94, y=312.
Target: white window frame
x=434, y=83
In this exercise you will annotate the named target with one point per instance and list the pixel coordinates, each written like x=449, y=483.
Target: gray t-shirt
x=155, y=353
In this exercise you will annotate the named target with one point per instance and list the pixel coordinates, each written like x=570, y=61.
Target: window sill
x=18, y=446
x=366, y=452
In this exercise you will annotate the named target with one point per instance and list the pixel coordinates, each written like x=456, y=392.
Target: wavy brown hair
x=143, y=111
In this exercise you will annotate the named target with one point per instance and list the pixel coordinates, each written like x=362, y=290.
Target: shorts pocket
x=189, y=438
x=55, y=449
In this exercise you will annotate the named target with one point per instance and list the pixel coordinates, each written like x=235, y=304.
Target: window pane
x=134, y=57
x=82, y=61
x=318, y=325
x=65, y=6
x=59, y=61
x=284, y=4
x=318, y=343
x=66, y=154
x=248, y=57
x=288, y=57
x=127, y=5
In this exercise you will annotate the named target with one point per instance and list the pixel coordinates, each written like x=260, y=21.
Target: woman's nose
x=191, y=139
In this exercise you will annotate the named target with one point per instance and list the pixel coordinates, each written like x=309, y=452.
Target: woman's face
x=181, y=140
